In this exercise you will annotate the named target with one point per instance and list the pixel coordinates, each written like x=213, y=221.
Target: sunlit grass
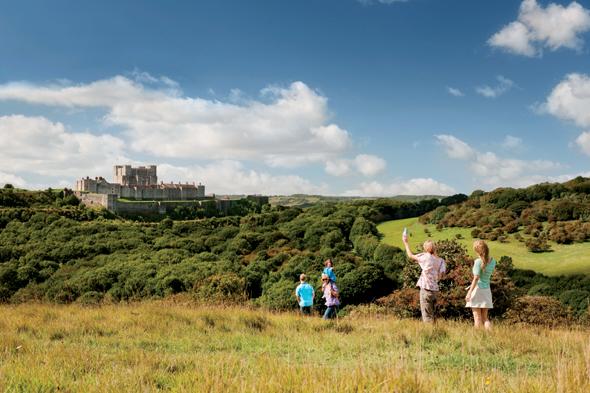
x=164, y=346
x=564, y=259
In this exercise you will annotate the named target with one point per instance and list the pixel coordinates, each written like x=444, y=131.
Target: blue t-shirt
x=305, y=293
x=330, y=272
x=486, y=275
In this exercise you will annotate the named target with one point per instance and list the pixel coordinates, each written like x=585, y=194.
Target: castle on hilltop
x=135, y=191
x=140, y=183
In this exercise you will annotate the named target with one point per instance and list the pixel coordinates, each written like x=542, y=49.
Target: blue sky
x=338, y=97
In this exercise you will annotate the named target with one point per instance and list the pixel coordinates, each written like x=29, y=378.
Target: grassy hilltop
x=180, y=347
x=562, y=260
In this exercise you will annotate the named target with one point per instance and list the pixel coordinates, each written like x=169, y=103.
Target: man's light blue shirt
x=305, y=293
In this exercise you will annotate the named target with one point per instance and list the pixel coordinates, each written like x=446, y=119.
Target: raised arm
x=408, y=251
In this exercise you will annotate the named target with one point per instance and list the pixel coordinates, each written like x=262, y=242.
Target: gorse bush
x=538, y=310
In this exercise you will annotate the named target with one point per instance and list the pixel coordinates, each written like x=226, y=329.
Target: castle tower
x=127, y=175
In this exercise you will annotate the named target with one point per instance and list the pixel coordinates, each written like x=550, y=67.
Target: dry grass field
x=181, y=347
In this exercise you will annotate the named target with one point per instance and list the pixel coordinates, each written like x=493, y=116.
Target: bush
x=221, y=288
x=392, y=259
x=362, y=227
x=364, y=284
x=404, y=303
x=537, y=245
x=365, y=246
x=538, y=310
x=577, y=299
x=280, y=296
x=90, y=298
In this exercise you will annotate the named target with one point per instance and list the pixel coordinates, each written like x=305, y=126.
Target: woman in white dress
x=479, y=295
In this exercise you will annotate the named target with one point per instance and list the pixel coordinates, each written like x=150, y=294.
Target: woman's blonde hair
x=428, y=246
x=481, y=248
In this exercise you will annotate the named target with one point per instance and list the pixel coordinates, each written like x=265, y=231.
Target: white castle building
x=140, y=183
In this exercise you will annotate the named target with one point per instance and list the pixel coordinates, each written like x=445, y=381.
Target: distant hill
x=557, y=212
x=303, y=200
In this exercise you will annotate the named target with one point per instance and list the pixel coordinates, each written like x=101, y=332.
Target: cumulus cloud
x=455, y=147
x=417, y=186
x=552, y=27
x=492, y=170
x=9, y=178
x=570, y=100
x=369, y=165
x=455, y=92
x=338, y=167
x=503, y=86
x=39, y=146
x=230, y=177
x=511, y=142
x=365, y=164
x=583, y=142
x=288, y=126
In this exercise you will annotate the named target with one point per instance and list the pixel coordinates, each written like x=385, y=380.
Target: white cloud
x=511, y=142
x=9, y=178
x=552, y=27
x=515, y=38
x=570, y=100
x=503, y=86
x=338, y=167
x=39, y=146
x=365, y=164
x=583, y=142
x=492, y=170
x=455, y=148
x=455, y=92
x=231, y=177
x=289, y=127
x=417, y=186
x=369, y=165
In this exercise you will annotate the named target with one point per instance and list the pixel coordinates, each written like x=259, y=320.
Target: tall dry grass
x=164, y=346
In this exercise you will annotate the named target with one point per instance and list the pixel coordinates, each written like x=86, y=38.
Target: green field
x=564, y=259
x=182, y=347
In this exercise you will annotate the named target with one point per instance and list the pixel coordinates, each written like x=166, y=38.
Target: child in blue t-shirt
x=329, y=270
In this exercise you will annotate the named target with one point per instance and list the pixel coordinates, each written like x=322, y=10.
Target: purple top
x=330, y=300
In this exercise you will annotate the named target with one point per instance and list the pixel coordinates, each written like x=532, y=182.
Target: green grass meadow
x=564, y=259
x=181, y=347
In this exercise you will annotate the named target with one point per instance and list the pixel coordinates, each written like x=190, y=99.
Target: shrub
x=577, y=299
x=90, y=298
x=404, y=303
x=361, y=227
x=392, y=259
x=538, y=310
x=281, y=296
x=537, y=245
x=364, y=284
x=223, y=288
x=365, y=246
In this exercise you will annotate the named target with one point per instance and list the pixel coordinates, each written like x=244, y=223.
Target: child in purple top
x=331, y=294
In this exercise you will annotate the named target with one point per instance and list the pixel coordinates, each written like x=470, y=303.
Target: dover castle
x=136, y=191
x=140, y=183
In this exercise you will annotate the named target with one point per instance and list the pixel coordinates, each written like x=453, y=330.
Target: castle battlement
x=140, y=183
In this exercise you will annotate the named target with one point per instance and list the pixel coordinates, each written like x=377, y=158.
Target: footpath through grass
x=564, y=259
x=160, y=346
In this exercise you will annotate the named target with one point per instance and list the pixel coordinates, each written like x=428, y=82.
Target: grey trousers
x=427, y=304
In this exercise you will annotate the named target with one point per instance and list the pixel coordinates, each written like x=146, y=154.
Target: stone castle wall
x=108, y=201
x=179, y=192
